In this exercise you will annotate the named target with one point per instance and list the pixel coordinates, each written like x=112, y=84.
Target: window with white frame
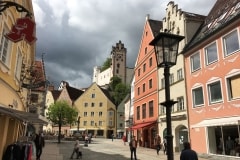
x=92, y=114
x=18, y=66
x=180, y=104
x=100, y=123
x=211, y=53
x=138, y=112
x=179, y=74
x=144, y=111
x=110, y=123
x=150, y=83
x=231, y=43
x=85, y=114
x=100, y=114
x=139, y=72
x=195, y=62
x=162, y=109
x=85, y=123
x=233, y=87
x=173, y=108
x=171, y=79
x=92, y=123
x=150, y=62
x=144, y=87
x=110, y=113
x=197, y=96
x=215, y=92
x=4, y=48
x=144, y=67
x=85, y=104
x=151, y=109
x=162, y=83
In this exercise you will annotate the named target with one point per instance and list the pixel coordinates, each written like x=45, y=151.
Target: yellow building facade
x=15, y=62
x=97, y=112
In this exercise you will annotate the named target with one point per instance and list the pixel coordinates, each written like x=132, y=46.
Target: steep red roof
x=55, y=94
x=74, y=93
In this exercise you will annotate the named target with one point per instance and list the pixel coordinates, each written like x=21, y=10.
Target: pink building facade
x=212, y=68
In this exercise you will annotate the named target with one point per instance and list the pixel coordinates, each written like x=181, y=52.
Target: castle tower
x=118, y=55
x=96, y=72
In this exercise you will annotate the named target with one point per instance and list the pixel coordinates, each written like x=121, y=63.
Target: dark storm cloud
x=78, y=35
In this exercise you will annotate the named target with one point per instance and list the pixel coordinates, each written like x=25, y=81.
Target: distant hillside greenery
x=106, y=64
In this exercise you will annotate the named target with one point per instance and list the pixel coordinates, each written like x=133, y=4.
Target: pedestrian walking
x=112, y=137
x=76, y=150
x=187, y=153
x=157, y=142
x=164, y=146
x=133, y=148
x=39, y=143
x=124, y=138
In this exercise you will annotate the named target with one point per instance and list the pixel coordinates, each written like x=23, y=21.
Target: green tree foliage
x=118, y=89
x=61, y=113
x=106, y=64
x=114, y=81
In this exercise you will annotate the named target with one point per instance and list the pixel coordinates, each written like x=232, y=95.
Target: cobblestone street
x=105, y=149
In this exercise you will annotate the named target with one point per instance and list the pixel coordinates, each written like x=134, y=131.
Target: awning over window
x=218, y=122
x=24, y=116
x=80, y=129
x=142, y=125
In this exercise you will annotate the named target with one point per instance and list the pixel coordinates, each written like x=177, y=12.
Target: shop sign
x=24, y=29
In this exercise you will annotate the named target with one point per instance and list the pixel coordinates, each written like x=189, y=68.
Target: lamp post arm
x=6, y=4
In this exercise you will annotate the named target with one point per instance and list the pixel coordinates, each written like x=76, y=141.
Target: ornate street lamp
x=77, y=134
x=166, y=51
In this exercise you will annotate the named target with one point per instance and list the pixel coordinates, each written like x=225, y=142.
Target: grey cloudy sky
x=76, y=35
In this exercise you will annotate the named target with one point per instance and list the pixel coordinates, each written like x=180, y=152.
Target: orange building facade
x=145, y=104
x=212, y=68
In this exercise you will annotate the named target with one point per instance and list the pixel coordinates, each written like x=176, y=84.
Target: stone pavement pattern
x=103, y=149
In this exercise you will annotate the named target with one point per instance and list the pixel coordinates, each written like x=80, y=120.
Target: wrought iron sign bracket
x=6, y=4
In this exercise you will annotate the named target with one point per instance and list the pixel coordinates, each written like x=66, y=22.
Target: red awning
x=142, y=125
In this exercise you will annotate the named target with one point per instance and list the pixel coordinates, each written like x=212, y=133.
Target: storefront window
x=224, y=140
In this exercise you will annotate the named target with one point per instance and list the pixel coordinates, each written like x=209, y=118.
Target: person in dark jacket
x=39, y=143
x=133, y=148
x=187, y=153
x=157, y=142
